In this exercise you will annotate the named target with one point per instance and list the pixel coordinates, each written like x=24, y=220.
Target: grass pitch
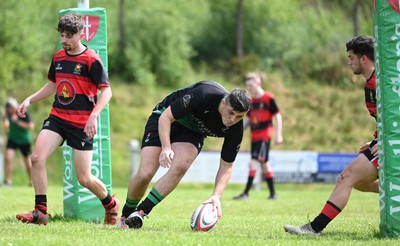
x=256, y=221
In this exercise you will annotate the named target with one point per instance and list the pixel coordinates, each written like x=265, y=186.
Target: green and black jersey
x=196, y=108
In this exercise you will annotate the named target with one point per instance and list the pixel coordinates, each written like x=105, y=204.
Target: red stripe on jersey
x=80, y=117
x=77, y=78
x=260, y=116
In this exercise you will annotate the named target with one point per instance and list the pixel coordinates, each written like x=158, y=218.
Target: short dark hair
x=239, y=100
x=71, y=24
x=362, y=45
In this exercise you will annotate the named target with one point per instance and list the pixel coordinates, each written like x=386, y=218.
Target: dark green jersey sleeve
x=232, y=142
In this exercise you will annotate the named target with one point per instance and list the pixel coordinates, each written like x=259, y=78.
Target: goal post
x=386, y=15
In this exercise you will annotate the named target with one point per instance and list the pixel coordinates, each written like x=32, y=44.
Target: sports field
x=256, y=221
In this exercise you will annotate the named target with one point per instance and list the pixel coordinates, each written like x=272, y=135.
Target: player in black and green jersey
x=19, y=137
x=174, y=136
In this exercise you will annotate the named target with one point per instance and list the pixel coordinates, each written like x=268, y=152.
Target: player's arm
x=47, y=90
x=278, y=128
x=164, y=131
x=221, y=180
x=6, y=124
x=26, y=125
x=91, y=125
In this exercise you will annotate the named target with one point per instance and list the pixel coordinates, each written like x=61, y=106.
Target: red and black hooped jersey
x=370, y=95
x=260, y=116
x=78, y=78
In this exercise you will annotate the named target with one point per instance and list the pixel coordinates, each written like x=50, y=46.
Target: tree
x=239, y=28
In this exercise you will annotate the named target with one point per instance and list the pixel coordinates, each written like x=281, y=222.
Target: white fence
x=288, y=166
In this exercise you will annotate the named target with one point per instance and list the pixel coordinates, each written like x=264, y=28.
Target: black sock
x=328, y=213
x=129, y=207
x=320, y=222
x=152, y=199
x=41, y=203
x=271, y=187
x=248, y=185
x=108, y=202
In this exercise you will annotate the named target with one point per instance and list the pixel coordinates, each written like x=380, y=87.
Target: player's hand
x=364, y=147
x=166, y=157
x=374, y=149
x=214, y=199
x=91, y=127
x=278, y=139
x=21, y=110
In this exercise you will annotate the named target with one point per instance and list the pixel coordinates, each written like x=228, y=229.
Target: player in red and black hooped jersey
x=75, y=76
x=362, y=172
x=264, y=110
x=174, y=136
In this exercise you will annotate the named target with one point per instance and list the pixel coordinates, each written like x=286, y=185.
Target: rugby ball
x=204, y=218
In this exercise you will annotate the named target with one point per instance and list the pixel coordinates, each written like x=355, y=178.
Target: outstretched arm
x=91, y=125
x=164, y=131
x=221, y=180
x=46, y=91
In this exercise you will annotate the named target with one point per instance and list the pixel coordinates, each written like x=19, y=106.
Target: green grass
x=256, y=221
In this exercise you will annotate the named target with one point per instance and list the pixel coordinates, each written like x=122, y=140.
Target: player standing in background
x=263, y=110
x=174, y=136
x=75, y=76
x=362, y=172
x=19, y=137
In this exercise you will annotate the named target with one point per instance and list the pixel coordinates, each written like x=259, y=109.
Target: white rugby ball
x=204, y=218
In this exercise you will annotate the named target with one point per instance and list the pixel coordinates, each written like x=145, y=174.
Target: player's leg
x=46, y=143
x=185, y=153
x=8, y=158
x=83, y=161
x=26, y=153
x=140, y=182
x=368, y=187
x=268, y=174
x=255, y=154
x=360, y=171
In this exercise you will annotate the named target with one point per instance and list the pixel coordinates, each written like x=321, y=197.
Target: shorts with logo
x=260, y=150
x=178, y=134
x=24, y=148
x=74, y=136
x=373, y=159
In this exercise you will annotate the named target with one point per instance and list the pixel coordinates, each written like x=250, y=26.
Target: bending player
x=174, y=136
x=263, y=110
x=75, y=76
x=362, y=172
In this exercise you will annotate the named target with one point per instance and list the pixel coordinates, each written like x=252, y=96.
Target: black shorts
x=260, y=150
x=75, y=136
x=178, y=134
x=24, y=148
x=372, y=158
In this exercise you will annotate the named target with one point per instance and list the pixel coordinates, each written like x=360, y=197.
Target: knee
x=181, y=167
x=345, y=177
x=144, y=177
x=37, y=160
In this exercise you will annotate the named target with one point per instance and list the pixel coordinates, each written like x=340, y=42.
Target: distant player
x=362, y=172
x=75, y=76
x=174, y=136
x=19, y=137
x=263, y=110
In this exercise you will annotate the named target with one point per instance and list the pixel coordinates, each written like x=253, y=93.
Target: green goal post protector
x=79, y=202
x=386, y=17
